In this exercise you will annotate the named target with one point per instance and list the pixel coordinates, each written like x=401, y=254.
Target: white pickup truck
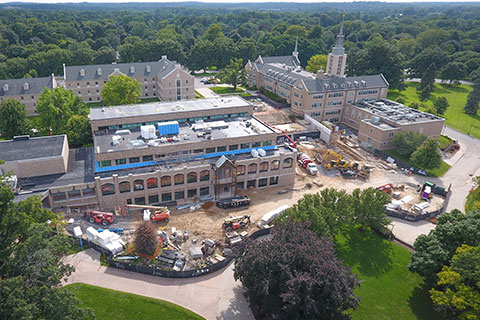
x=312, y=169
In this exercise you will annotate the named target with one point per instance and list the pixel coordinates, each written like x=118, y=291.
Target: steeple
x=337, y=58
x=295, y=51
x=339, y=49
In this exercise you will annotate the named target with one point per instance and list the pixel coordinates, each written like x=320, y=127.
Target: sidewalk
x=207, y=93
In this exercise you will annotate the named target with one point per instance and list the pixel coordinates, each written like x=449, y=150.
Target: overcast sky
x=116, y=1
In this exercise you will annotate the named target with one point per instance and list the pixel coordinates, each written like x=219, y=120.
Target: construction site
x=202, y=231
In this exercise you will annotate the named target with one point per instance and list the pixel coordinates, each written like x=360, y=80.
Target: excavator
x=331, y=159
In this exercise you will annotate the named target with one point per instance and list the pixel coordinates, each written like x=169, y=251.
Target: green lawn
x=388, y=289
x=457, y=98
x=245, y=94
x=437, y=172
x=444, y=142
x=224, y=90
x=471, y=198
x=111, y=304
x=198, y=95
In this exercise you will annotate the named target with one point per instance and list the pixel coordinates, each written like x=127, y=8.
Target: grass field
x=224, y=90
x=444, y=142
x=388, y=289
x=437, y=172
x=111, y=304
x=471, y=198
x=457, y=98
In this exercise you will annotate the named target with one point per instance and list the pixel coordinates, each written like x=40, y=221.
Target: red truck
x=105, y=218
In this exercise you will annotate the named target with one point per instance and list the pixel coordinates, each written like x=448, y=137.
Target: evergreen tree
x=428, y=78
x=441, y=105
x=473, y=98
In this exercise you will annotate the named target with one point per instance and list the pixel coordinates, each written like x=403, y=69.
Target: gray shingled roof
x=16, y=86
x=287, y=60
x=290, y=76
x=157, y=68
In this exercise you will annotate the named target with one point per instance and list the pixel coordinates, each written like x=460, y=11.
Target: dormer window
x=25, y=86
x=356, y=83
x=82, y=72
x=5, y=87
x=364, y=83
x=99, y=71
x=132, y=69
x=148, y=68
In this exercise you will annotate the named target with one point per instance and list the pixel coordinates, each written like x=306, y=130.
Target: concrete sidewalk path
x=216, y=296
x=207, y=93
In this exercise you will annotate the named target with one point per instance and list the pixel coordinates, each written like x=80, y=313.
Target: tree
x=369, y=208
x=453, y=71
x=441, y=105
x=407, y=142
x=458, y=293
x=234, y=73
x=422, y=61
x=317, y=62
x=121, y=89
x=286, y=281
x=380, y=56
x=428, y=78
x=435, y=250
x=56, y=106
x=473, y=98
x=427, y=156
x=425, y=93
x=13, y=118
x=146, y=239
x=327, y=211
x=78, y=131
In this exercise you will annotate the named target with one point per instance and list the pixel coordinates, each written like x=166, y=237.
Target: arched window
x=275, y=165
x=264, y=166
x=165, y=181
x=108, y=188
x=204, y=175
x=191, y=177
x=124, y=186
x=288, y=163
x=138, y=185
x=152, y=183
x=252, y=168
x=240, y=170
x=178, y=179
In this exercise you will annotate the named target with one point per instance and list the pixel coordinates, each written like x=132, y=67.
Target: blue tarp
x=167, y=128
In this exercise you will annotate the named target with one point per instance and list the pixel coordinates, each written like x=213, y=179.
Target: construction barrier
x=168, y=273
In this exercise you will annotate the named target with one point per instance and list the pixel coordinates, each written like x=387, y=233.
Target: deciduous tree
x=453, y=71
x=146, y=239
x=407, y=142
x=296, y=275
x=121, y=89
x=427, y=156
x=234, y=74
x=78, y=131
x=317, y=62
x=369, y=208
x=13, y=118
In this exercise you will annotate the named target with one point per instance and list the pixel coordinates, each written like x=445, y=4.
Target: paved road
x=438, y=81
x=216, y=296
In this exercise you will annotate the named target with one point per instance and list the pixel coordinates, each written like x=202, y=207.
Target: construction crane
x=292, y=143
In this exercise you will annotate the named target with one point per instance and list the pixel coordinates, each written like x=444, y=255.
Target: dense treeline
x=37, y=42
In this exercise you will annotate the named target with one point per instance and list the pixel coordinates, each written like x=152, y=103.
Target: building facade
x=26, y=90
x=164, y=79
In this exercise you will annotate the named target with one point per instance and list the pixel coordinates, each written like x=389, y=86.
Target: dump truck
x=105, y=218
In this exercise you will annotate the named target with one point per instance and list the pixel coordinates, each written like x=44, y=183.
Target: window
x=153, y=199
x=317, y=96
x=140, y=201
x=335, y=103
x=275, y=165
x=105, y=163
x=124, y=186
x=165, y=181
x=198, y=151
x=267, y=143
x=288, y=163
x=210, y=150
x=316, y=114
x=221, y=149
x=178, y=179
x=252, y=168
x=138, y=185
x=391, y=134
x=240, y=185
x=335, y=94
x=152, y=183
x=166, y=197
x=147, y=158
x=264, y=166
x=233, y=147
x=240, y=170
x=316, y=105
x=251, y=183
x=273, y=181
x=204, y=175
x=107, y=189
x=179, y=195
x=134, y=160
x=255, y=144
x=204, y=191
x=262, y=182
x=245, y=146
x=192, y=177
x=366, y=92
x=328, y=113
x=120, y=161
x=129, y=201
x=191, y=193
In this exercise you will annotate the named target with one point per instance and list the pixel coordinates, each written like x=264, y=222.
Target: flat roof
x=396, y=112
x=155, y=108
x=31, y=148
x=188, y=134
